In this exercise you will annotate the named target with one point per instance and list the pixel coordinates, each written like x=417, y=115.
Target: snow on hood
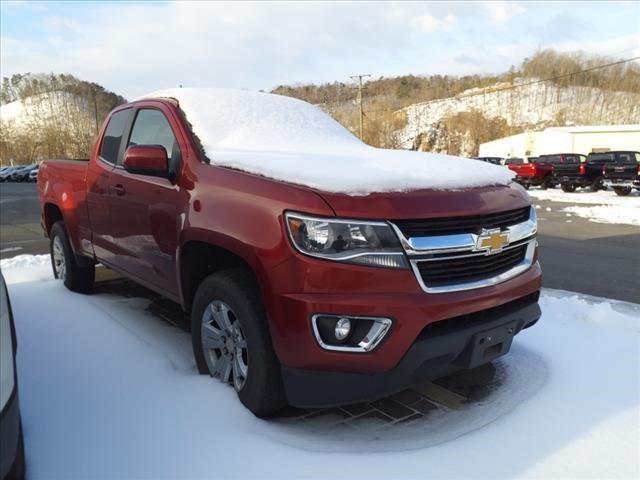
x=293, y=141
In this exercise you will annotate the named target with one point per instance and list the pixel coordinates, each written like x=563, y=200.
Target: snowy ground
x=601, y=207
x=110, y=391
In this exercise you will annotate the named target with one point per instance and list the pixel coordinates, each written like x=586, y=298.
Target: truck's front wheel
x=65, y=266
x=231, y=340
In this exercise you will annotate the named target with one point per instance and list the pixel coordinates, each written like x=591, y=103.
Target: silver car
x=12, y=465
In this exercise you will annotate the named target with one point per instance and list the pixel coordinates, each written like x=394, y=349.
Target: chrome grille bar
x=456, y=247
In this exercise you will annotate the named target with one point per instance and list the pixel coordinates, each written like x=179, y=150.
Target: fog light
x=349, y=333
x=343, y=329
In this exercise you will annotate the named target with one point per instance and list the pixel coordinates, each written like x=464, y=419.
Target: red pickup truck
x=298, y=292
x=532, y=172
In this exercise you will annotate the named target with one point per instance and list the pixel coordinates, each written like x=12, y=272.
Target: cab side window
x=151, y=127
x=113, y=136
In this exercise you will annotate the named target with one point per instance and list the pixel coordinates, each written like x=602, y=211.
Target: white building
x=594, y=138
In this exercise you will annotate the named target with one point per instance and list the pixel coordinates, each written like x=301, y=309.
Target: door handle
x=118, y=189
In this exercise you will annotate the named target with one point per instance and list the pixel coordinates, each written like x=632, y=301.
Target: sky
x=133, y=48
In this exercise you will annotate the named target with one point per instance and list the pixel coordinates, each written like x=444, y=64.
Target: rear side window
x=113, y=136
x=551, y=159
x=152, y=128
x=601, y=157
x=514, y=161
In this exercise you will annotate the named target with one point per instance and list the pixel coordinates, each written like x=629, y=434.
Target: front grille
x=455, y=225
x=456, y=270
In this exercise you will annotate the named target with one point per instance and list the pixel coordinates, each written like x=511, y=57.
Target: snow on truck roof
x=293, y=141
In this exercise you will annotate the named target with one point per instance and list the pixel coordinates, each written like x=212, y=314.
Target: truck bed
x=62, y=185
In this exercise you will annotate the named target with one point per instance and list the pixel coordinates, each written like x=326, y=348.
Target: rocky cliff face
x=431, y=126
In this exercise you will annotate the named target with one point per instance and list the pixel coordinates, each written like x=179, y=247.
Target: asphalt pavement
x=576, y=254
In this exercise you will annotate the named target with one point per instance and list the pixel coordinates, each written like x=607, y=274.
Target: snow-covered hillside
x=531, y=105
x=46, y=108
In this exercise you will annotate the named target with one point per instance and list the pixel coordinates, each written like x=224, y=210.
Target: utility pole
x=360, y=87
x=95, y=107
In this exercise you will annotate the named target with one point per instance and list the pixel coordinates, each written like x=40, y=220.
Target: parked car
x=33, y=174
x=580, y=171
x=298, y=293
x=531, y=173
x=623, y=174
x=12, y=464
x=494, y=160
x=21, y=173
x=5, y=173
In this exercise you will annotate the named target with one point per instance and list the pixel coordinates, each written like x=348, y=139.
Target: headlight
x=353, y=241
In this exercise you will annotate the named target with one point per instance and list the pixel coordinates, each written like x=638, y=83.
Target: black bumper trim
x=433, y=355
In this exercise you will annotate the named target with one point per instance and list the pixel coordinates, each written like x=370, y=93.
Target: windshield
x=514, y=161
x=551, y=159
x=601, y=157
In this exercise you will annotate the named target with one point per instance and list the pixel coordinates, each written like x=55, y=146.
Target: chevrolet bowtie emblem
x=492, y=241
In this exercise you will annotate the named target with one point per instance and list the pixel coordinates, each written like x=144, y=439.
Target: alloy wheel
x=58, y=259
x=224, y=344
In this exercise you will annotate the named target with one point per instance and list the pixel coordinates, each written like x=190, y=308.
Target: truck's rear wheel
x=568, y=187
x=231, y=340
x=65, y=266
x=546, y=183
x=622, y=191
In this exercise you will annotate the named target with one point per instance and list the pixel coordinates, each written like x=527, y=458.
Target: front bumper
x=458, y=343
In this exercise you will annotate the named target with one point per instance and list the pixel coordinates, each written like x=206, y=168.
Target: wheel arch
x=199, y=258
x=52, y=214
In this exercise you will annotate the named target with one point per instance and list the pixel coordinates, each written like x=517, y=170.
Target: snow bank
x=110, y=391
x=629, y=215
x=603, y=206
x=602, y=197
x=292, y=141
x=26, y=268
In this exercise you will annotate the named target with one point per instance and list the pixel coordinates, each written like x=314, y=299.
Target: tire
x=568, y=187
x=526, y=186
x=596, y=185
x=622, y=191
x=65, y=265
x=261, y=390
x=546, y=183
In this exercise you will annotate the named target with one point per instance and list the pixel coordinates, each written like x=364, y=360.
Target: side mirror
x=147, y=160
